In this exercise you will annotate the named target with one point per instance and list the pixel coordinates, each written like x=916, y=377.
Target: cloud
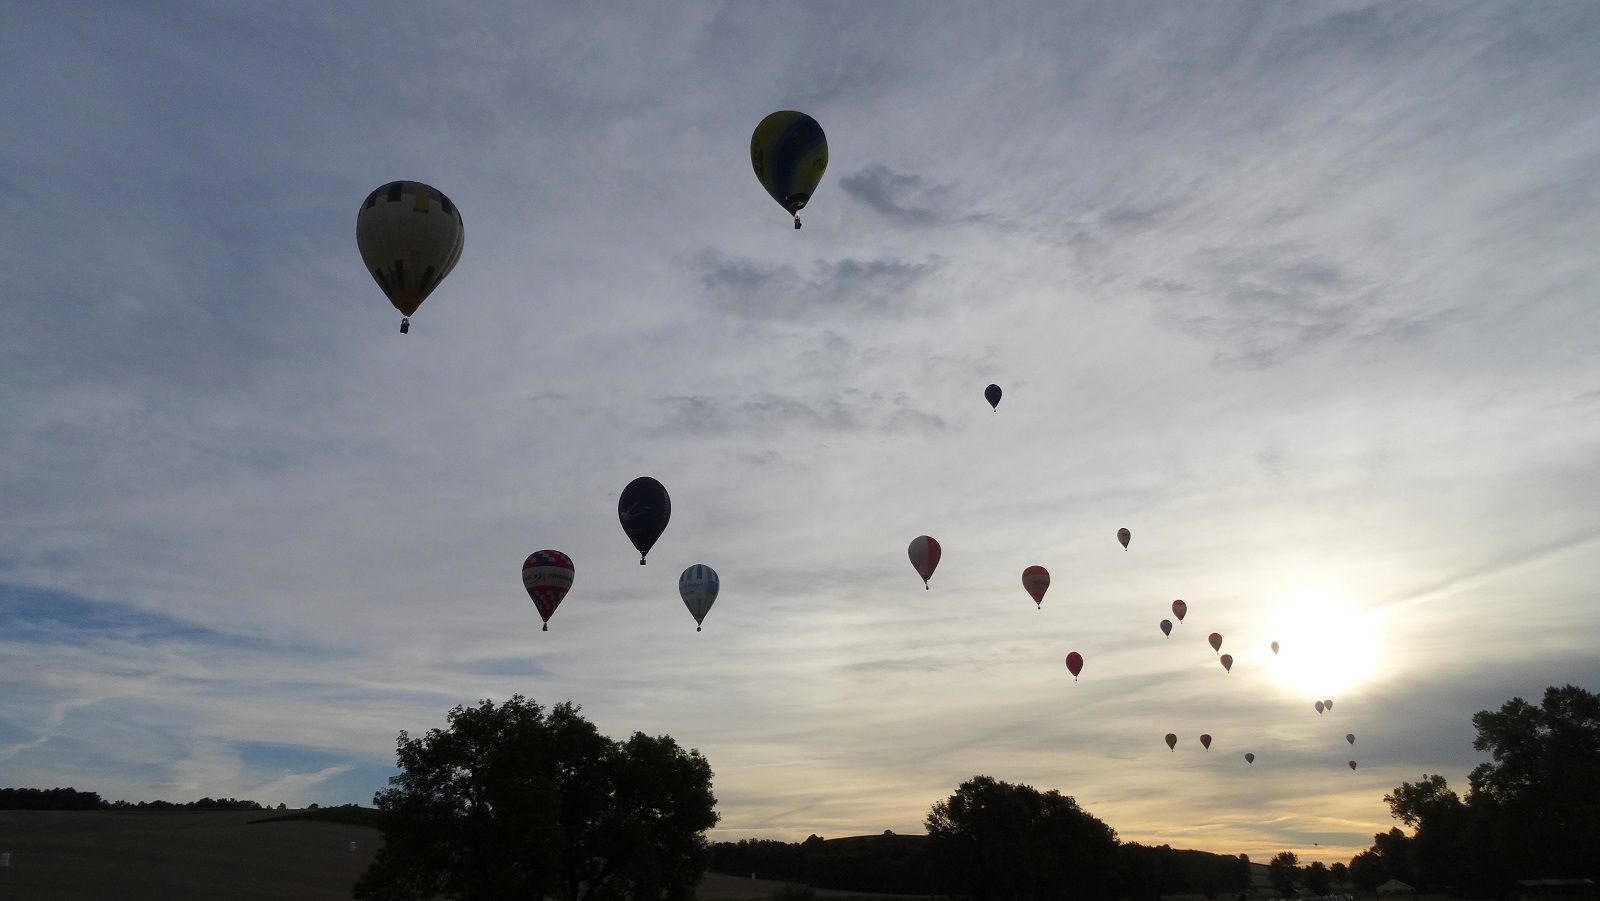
x=768, y=414
x=901, y=198
x=876, y=288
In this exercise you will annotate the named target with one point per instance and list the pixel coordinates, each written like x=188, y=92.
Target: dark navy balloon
x=644, y=509
x=992, y=395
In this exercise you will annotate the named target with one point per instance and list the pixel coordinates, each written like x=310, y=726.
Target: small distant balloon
x=1328, y=705
x=1319, y=706
x=1227, y=662
x=1172, y=741
x=1205, y=742
x=992, y=395
x=1274, y=647
x=1249, y=758
x=1352, y=764
x=1350, y=737
x=1074, y=664
x=1036, y=579
x=1179, y=608
x=1216, y=641
x=1166, y=627
x=924, y=552
x=547, y=575
x=1124, y=536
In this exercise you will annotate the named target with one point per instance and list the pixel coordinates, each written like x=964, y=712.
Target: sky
x=1303, y=295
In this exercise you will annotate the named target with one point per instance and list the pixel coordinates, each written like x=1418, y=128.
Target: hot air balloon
x=547, y=575
x=644, y=509
x=1172, y=741
x=1350, y=737
x=1124, y=536
x=1352, y=764
x=1074, y=664
x=1166, y=627
x=410, y=237
x=1249, y=758
x=1318, y=705
x=789, y=153
x=698, y=586
x=1205, y=741
x=992, y=395
x=1227, y=662
x=1179, y=608
x=1036, y=579
x=924, y=553
x=1328, y=705
x=1274, y=647
x=1216, y=641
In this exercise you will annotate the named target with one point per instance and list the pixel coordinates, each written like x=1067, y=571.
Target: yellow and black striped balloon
x=789, y=153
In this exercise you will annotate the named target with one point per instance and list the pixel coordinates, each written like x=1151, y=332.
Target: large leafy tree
x=994, y=841
x=1282, y=872
x=511, y=802
x=1542, y=790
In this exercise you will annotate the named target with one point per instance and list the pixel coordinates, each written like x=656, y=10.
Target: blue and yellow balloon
x=789, y=153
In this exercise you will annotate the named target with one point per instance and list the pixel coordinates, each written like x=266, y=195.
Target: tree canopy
x=1531, y=811
x=994, y=841
x=512, y=802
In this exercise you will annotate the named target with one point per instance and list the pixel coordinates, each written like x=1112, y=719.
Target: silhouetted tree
x=994, y=841
x=1439, y=849
x=1281, y=872
x=1367, y=872
x=1340, y=874
x=512, y=803
x=1317, y=878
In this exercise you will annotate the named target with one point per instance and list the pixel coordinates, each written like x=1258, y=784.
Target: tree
x=994, y=841
x=514, y=803
x=1439, y=848
x=1317, y=878
x=1367, y=872
x=1539, y=799
x=1340, y=874
x=1281, y=872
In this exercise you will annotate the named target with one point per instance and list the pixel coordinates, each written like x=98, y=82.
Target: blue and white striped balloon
x=698, y=586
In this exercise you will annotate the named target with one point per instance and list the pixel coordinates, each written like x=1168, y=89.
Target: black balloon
x=992, y=395
x=644, y=509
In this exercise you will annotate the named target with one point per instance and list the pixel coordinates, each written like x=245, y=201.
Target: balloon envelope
x=789, y=153
x=1166, y=627
x=1074, y=664
x=410, y=237
x=1216, y=641
x=1124, y=536
x=924, y=553
x=1227, y=662
x=1318, y=705
x=698, y=586
x=1327, y=705
x=992, y=395
x=1350, y=737
x=547, y=575
x=1172, y=741
x=1036, y=579
x=1205, y=741
x=1179, y=608
x=644, y=509
x=1274, y=647
x=1249, y=758
x=1352, y=764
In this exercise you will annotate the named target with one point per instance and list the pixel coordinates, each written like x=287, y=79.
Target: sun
x=1325, y=645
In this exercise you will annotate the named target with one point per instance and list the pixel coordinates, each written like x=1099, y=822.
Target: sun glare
x=1324, y=645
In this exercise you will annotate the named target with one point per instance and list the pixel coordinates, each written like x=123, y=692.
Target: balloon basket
x=405, y=325
x=546, y=628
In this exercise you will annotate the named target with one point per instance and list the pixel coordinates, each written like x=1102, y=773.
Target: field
x=133, y=856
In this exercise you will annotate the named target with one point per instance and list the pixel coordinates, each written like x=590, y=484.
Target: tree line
x=72, y=799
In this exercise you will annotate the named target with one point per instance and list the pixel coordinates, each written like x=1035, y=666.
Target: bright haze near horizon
x=1302, y=295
